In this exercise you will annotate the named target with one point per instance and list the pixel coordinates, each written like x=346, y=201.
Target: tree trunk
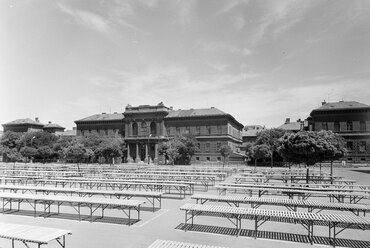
x=272, y=159
x=307, y=174
x=255, y=164
x=331, y=172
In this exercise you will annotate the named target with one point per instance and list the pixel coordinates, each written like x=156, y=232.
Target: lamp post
x=149, y=148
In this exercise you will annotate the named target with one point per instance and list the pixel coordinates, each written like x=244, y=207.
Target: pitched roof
x=195, y=112
x=26, y=121
x=342, y=105
x=103, y=117
x=292, y=126
x=53, y=125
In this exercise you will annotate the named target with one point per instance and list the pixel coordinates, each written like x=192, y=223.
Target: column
x=137, y=159
x=129, y=159
x=155, y=153
x=146, y=153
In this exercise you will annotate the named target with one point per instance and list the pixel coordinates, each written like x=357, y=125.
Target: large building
x=28, y=125
x=349, y=119
x=144, y=127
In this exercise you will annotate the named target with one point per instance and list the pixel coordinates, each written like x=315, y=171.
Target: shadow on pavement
x=98, y=219
x=299, y=238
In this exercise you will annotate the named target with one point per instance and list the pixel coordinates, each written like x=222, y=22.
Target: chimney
x=299, y=120
x=287, y=121
x=49, y=122
x=323, y=103
x=37, y=119
x=104, y=113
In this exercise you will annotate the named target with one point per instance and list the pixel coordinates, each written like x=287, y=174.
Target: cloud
x=86, y=18
x=231, y=5
x=185, y=11
x=279, y=16
x=209, y=46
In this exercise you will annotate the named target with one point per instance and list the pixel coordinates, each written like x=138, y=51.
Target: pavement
x=166, y=223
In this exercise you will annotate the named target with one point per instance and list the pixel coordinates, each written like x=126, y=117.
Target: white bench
x=32, y=234
x=336, y=222
x=175, y=244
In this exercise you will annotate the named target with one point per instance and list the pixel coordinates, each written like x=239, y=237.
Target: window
x=362, y=126
x=349, y=145
x=187, y=130
x=349, y=126
x=208, y=130
x=198, y=145
x=363, y=159
x=197, y=158
x=218, y=158
x=134, y=129
x=336, y=127
x=324, y=126
x=362, y=147
x=177, y=130
x=219, y=129
x=208, y=159
x=208, y=146
x=218, y=146
x=153, y=129
x=197, y=130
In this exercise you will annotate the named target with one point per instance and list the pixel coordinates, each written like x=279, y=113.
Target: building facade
x=351, y=120
x=28, y=125
x=144, y=127
x=23, y=125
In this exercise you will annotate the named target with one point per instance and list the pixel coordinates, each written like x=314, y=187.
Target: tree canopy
x=179, y=149
x=311, y=147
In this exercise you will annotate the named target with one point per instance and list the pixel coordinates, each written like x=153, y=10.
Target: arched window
x=153, y=129
x=134, y=129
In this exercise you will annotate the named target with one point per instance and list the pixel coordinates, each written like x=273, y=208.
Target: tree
x=11, y=154
x=179, y=149
x=171, y=149
x=45, y=153
x=270, y=137
x=78, y=153
x=260, y=152
x=188, y=148
x=11, y=140
x=311, y=147
x=28, y=152
x=225, y=152
x=110, y=148
x=39, y=139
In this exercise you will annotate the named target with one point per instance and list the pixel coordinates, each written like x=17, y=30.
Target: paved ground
x=163, y=225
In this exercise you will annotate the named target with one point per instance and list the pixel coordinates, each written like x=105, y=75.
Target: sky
x=260, y=61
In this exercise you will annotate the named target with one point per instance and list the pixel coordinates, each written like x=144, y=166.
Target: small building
x=53, y=128
x=250, y=132
x=296, y=126
x=23, y=125
x=349, y=119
